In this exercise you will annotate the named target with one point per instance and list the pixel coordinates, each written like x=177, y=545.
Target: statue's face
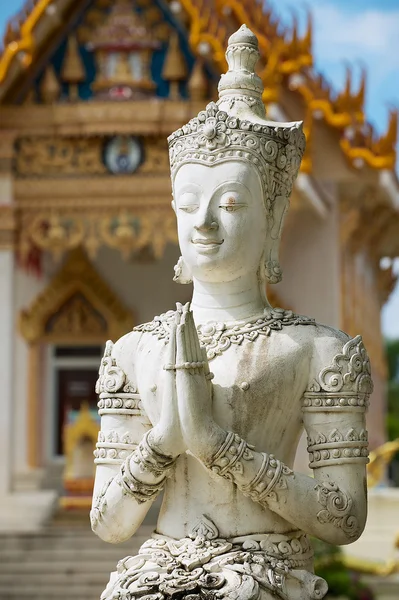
x=221, y=219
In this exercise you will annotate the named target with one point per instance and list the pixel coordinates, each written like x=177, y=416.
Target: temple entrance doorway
x=74, y=375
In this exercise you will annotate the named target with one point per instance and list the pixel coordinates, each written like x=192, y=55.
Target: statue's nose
x=206, y=222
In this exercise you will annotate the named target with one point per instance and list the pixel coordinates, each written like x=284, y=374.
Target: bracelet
x=141, y=492
x=186, y=365
x=228, y=459
x=269, y=478
x=151, y=461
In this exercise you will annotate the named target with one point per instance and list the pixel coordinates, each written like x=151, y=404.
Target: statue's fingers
x=180, y=343
x=193, y=340
x=204, y=358
x=170, y=365
x=171, y=352
x=190, y=341
x=190, y=347
x=196, y=343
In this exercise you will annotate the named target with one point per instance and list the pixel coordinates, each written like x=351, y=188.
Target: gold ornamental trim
x=126, y=231
x=8, y=227
x=26, y=43
x=76, y=306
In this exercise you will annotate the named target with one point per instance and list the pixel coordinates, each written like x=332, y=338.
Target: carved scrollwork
x=343, y=386
x=200, y=568
x=337, y=506
x=350, y=370
x=218, y=337
x=338, y=448
x=111, y=378
x=99, y=505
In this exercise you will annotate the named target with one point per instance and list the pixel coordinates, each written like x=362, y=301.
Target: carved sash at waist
x=251, y=567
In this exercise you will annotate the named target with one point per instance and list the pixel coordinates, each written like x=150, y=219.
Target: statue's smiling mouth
x=207, y=242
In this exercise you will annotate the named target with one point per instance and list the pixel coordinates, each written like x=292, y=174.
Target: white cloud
x=371, y=35
x=345, y=34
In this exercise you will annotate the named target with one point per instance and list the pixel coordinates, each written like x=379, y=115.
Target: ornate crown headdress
x=236, y=126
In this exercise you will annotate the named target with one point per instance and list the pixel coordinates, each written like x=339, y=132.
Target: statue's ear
x=280, y=208
x=272, y=267
x=173, y=205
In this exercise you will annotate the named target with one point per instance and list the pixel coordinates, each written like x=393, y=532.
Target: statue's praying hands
x=208, y=402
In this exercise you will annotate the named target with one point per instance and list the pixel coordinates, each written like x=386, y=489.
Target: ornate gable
x=77, y=305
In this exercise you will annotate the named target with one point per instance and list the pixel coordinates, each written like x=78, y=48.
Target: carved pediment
x=77, y=305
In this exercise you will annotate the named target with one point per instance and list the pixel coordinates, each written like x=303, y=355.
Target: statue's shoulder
x=117, y=368
x=340, y=363
x=158, y=327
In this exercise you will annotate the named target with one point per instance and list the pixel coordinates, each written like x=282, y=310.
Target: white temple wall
x=310, y=263
x=26, y=286
x=146, y=288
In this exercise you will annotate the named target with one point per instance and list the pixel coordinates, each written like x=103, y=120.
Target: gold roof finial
x=49, y=87
x=198, y=83
x=73, y=71
x=175, y=67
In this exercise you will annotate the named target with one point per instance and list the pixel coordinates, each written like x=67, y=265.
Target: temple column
x=23, y=511
x=7, y=325
x=6, y=361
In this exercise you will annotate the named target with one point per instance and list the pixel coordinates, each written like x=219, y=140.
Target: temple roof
x=286, y=65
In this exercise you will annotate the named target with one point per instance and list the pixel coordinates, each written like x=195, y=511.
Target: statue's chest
x=256, y=386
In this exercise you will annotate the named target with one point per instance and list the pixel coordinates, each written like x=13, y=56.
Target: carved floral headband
x=214, y=137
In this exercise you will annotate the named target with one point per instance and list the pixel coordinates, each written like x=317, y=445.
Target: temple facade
x=89, y=91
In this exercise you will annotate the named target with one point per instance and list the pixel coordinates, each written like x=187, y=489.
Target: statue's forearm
x=124, y=499
x=319, y=506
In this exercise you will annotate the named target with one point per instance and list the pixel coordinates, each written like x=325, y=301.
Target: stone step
x=51, y=580
x=77, y=592
x=52, y=542
x=101, y=565
x=61, y=562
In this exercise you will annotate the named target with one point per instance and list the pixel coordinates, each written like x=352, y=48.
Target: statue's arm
x=129, y=474
x=333, y=505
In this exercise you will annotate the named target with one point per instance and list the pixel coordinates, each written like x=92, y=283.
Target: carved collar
x=217, y=337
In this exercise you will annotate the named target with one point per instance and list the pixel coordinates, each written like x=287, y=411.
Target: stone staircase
x=65, y=560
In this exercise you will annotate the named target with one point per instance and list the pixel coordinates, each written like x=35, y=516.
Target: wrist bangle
x=150, y=460
x=141, y=492
x=228, y=459
x=268, y=479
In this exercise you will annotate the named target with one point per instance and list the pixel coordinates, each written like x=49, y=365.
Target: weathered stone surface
x=208, y=402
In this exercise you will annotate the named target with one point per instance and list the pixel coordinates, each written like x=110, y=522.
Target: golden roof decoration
x=76, y=279
x=123, y=29
x=209, y=23
x=291, y=57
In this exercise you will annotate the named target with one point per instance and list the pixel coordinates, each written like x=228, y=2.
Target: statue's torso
x=257, y=390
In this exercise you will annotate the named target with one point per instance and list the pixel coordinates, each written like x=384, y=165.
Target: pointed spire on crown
x=241, y=89
x=242, y=54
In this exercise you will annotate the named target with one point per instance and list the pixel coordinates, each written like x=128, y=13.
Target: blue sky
x=356, y=32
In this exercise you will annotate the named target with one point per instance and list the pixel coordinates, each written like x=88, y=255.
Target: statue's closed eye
x=188, y=202
x=230, y=204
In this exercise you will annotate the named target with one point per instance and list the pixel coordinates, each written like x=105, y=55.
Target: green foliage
x=341, y=581
x=392, y=353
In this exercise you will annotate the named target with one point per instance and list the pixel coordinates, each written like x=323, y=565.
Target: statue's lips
x=199, y=242
x=206, y=246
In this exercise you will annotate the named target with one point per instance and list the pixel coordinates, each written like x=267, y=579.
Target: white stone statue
x=208, y=402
